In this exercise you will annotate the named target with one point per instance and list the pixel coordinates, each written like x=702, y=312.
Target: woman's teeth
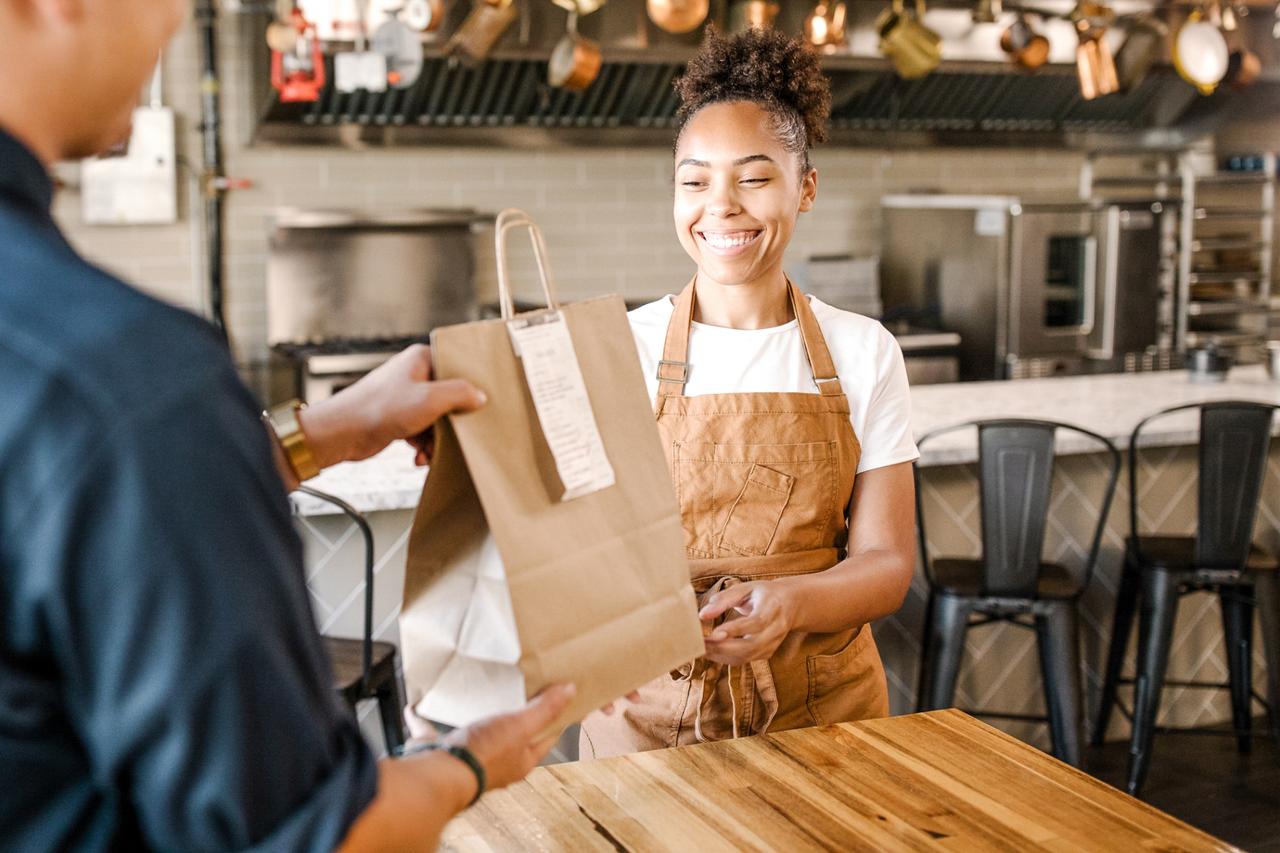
x=729, y=241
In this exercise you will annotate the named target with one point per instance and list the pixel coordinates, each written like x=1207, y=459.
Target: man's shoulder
x=67, y=324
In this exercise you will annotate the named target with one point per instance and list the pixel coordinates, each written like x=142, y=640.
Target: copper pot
x=824, y=28
x=1142, y=49
x=1243, y=68
x=1026, y=47
x=677, y=16
x=425, y=16
x=575, y=61
x=1095, y=66
x=752, y=14
x=912, y=48
x=481, y=30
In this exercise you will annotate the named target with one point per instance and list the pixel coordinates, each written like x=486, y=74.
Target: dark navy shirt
x=162, y=683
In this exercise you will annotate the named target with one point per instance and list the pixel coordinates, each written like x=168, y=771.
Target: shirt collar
x=22, y=175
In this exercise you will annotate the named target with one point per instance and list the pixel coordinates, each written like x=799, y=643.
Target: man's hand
x=506, y=744
x=396, y=400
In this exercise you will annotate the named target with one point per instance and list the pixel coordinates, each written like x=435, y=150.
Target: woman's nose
x=723, y=201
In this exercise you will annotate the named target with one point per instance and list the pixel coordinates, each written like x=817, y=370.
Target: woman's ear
x=808, y=190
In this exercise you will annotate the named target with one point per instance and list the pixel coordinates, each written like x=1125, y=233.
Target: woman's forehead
x=728, y=132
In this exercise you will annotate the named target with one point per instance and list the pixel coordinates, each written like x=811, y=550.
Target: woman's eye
x=692, y=184
x=755, y=181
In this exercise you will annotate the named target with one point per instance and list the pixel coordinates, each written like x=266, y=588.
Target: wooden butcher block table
x=935, y=781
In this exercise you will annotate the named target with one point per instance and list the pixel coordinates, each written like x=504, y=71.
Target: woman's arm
x=868, y=584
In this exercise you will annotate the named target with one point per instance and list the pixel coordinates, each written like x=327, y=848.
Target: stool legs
x=1266, y=590
x=1155, y=635
x=1122, y=625
x=386, y=691
x=1237, y=625
x=943, y=647
x=1057, y=640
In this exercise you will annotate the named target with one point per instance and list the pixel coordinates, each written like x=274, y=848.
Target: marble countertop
x=387, y=481
x=1110, y=405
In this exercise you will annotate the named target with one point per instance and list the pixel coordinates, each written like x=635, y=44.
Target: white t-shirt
x=734, y=361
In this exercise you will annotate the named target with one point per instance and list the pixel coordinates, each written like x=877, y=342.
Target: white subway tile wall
x=606, y=212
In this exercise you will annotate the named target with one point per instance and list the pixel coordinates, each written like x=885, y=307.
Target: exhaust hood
x=975, y=97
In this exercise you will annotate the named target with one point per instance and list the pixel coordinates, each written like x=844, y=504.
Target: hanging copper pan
x=677, y=16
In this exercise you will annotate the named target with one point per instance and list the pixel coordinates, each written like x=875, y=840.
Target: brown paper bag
x=508, y=588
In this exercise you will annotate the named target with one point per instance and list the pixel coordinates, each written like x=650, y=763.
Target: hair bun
x=764, y=66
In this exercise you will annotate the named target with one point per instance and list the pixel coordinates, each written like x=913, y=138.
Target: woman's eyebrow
x=741, y=161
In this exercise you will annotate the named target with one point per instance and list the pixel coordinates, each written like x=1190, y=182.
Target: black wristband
x=461, y=753
x=468, y=758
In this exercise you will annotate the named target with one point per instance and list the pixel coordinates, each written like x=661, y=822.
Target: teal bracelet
x=461, y=753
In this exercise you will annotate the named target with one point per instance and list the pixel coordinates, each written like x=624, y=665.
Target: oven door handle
x=1090, y=284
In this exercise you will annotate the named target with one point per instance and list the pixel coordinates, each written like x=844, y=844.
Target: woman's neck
x=759, y=304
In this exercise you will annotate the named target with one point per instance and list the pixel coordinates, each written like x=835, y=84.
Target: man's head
x=71, y=70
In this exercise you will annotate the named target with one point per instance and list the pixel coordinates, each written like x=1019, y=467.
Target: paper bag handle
x=507, y=220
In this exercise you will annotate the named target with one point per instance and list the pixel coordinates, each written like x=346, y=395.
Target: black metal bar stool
x=1220, y=558
x=1011, y=579
x=366, y=668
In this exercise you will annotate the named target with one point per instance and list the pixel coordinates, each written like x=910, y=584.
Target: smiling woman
x=785, y=423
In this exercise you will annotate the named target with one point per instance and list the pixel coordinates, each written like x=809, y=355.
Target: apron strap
x=673, y=368
x=815, y=345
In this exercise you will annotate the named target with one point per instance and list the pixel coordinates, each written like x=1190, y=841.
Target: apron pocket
x=753, y=518
x=838, y=681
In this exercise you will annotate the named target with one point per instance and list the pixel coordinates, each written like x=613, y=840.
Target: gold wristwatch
x=283, y=420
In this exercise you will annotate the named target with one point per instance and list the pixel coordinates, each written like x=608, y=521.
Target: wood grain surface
x=935, y=781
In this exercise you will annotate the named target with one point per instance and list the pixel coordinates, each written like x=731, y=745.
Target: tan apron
x=764, y=482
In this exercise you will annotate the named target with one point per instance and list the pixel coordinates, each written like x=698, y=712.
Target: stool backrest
x=1015, y=486
x=1015, y=462
x=1235, y=436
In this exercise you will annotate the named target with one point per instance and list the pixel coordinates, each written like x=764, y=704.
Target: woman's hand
x=760, y=614
x=396, y=400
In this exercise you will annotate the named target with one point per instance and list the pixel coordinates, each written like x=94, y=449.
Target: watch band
x=293, y=441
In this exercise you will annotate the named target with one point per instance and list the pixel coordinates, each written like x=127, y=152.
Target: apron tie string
x=708, y=674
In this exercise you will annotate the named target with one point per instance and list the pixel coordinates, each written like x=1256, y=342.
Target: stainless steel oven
x=1032, y=289
x=347, y=289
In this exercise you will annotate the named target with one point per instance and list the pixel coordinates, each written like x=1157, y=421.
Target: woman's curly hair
x=765, y=67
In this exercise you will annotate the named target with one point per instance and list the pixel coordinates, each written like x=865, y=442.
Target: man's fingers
x=546, y=707
x=453, y=395
x=419, y=729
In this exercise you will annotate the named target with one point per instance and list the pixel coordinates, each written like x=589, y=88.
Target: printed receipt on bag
x=542, y=343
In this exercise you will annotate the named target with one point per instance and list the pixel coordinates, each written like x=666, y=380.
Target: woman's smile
x=728, y=243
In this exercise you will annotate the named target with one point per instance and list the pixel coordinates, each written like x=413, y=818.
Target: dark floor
x=1205, y=782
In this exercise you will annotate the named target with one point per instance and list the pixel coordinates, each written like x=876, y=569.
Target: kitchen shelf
x=1210, y=244
x=1244, y=202
x=1232, y=178
x=1225, y=307
x=1135, y=180
x=1223, y=339
x=1215, y=277
x=1203, y=213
